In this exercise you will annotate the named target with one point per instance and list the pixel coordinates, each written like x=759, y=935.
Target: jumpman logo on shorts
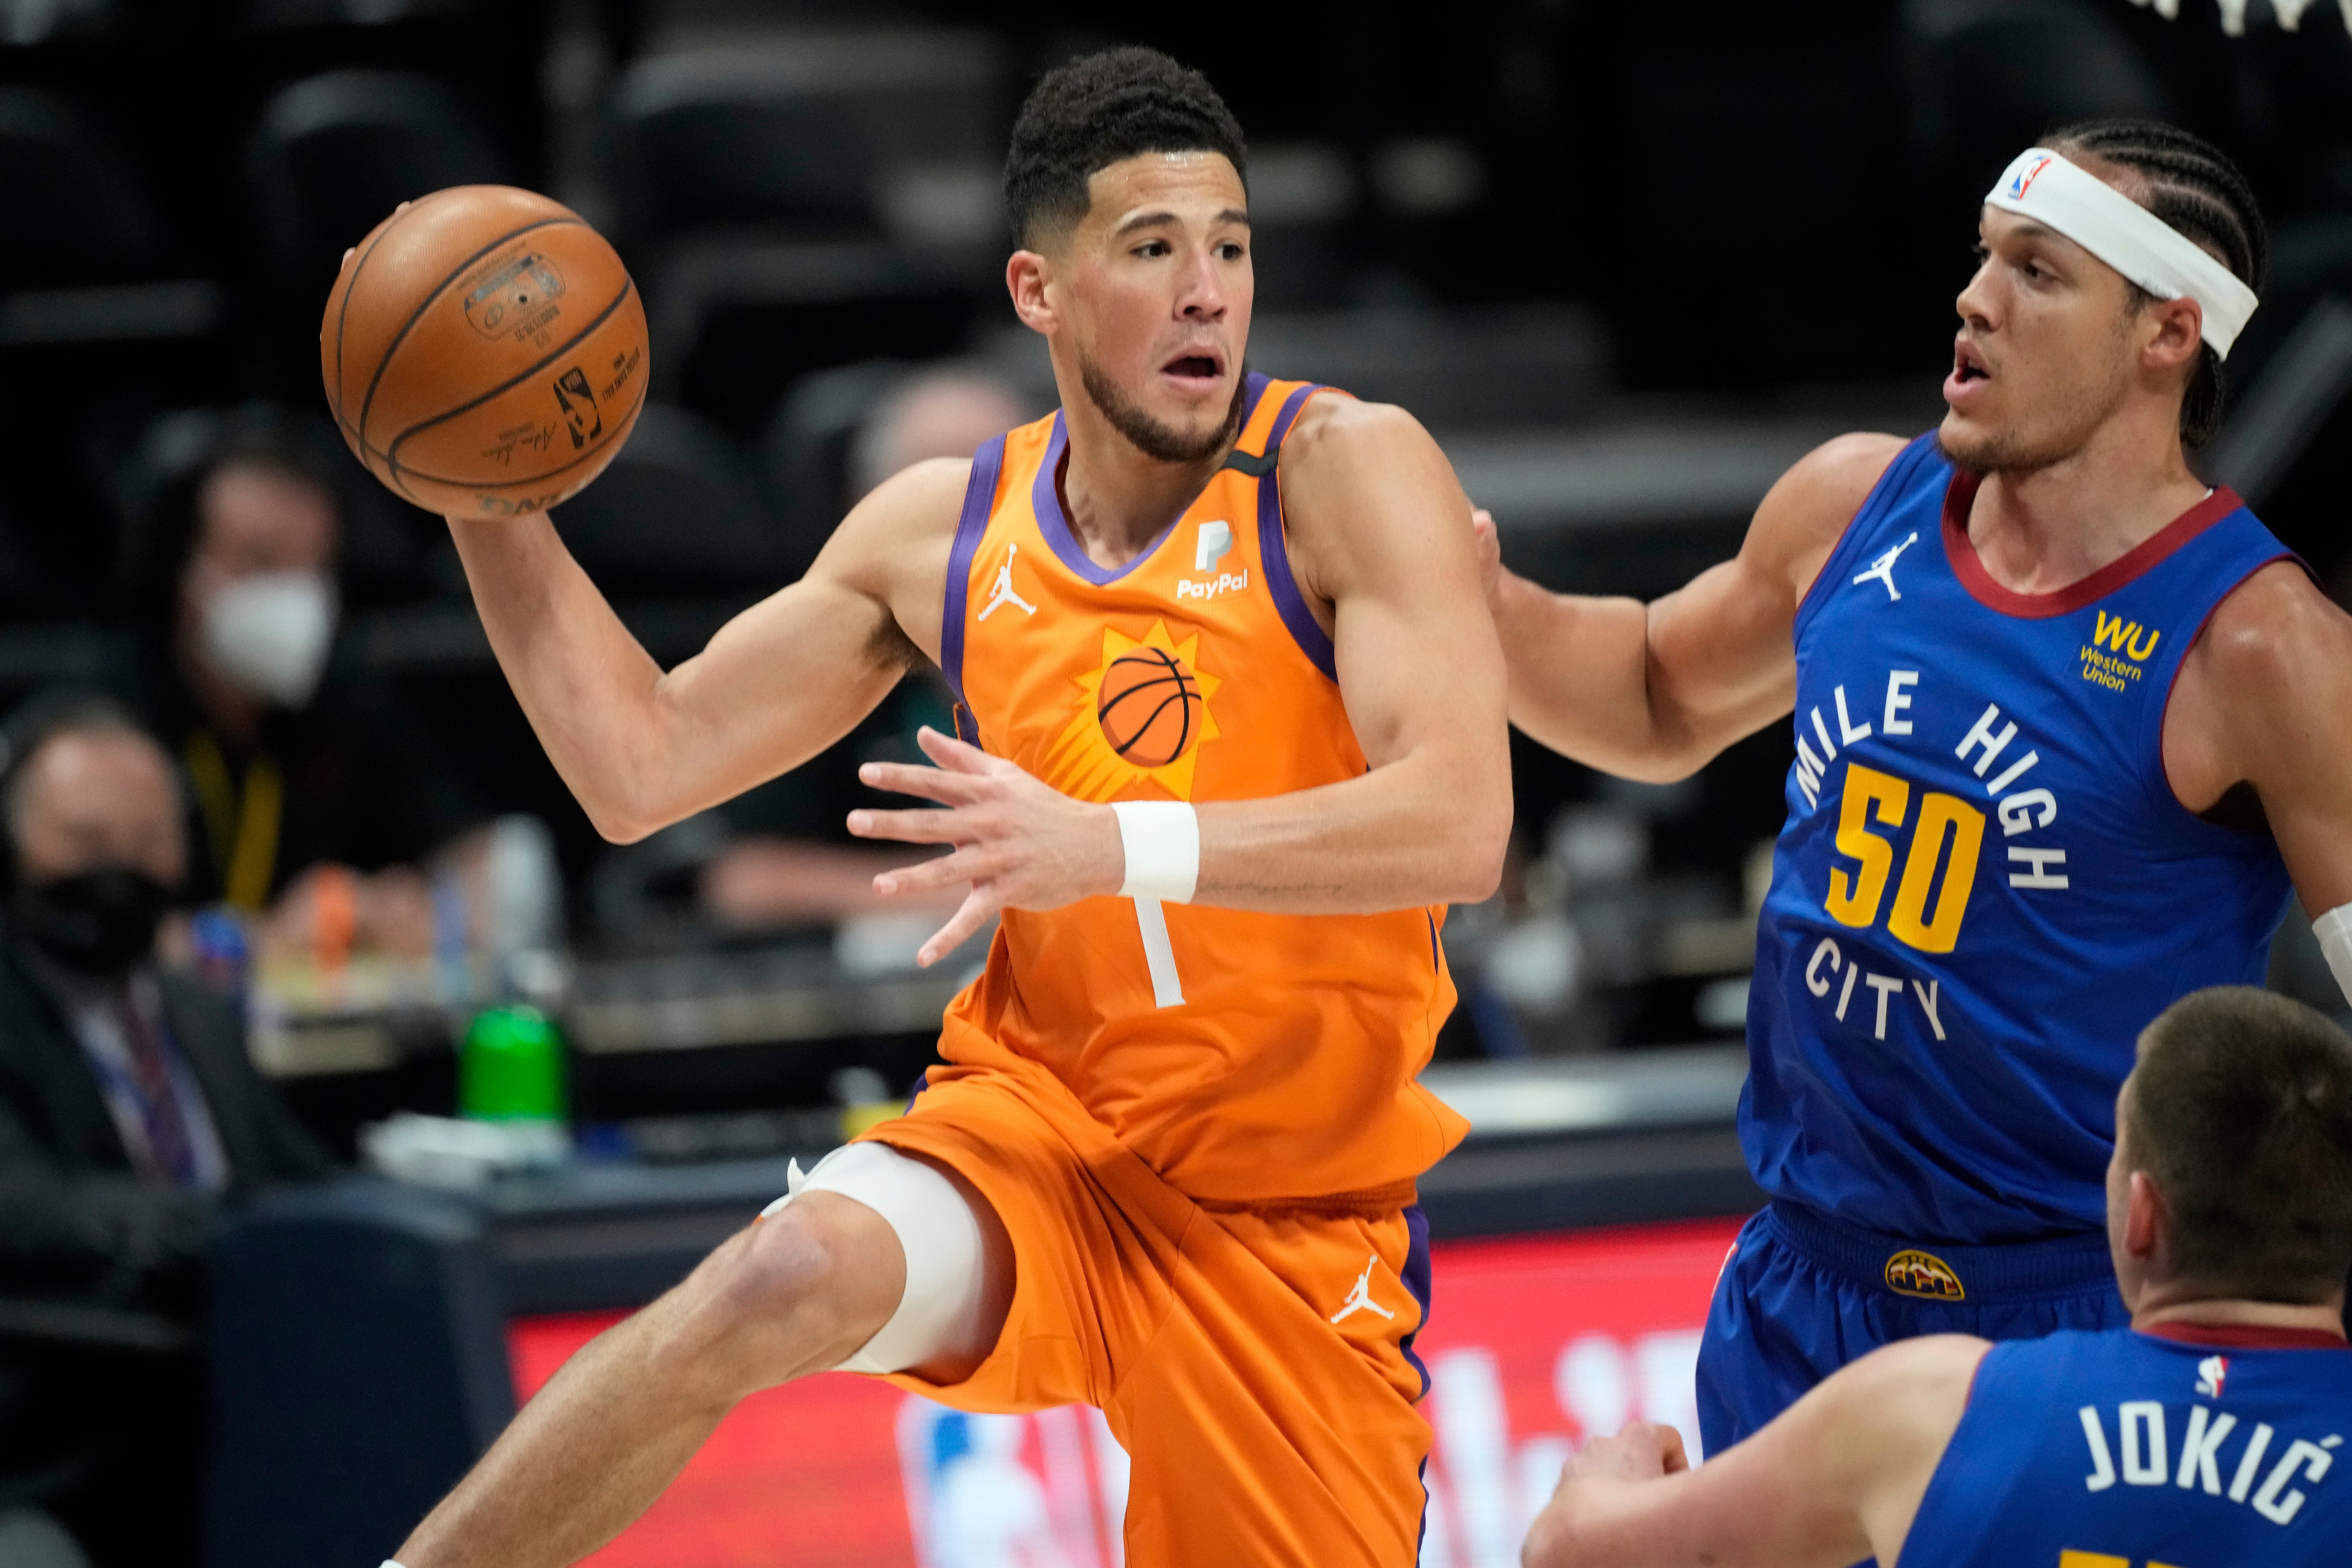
x=1003, y=594
x=1359, y=1300
x=1884, y=567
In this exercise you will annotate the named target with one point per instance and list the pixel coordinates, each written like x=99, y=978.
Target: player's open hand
x=1019, y=844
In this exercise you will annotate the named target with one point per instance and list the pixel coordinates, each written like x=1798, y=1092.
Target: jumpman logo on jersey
x=1359, y=1300
x=1883, y=569
x=1003, y=594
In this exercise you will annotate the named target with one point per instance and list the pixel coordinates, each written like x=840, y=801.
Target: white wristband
x=2333, y=931
x=1162, y=841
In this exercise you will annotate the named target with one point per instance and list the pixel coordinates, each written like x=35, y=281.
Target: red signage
x=1533, y=1343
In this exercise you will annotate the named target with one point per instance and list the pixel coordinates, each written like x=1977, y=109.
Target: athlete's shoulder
x=898, y=527
x=2277, y=626
x=1334, y=423
x=1801, y=517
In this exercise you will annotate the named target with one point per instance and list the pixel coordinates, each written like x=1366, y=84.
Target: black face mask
x=100, y=922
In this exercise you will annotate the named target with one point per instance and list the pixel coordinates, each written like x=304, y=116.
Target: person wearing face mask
x=305, y=771
x=128, y=1112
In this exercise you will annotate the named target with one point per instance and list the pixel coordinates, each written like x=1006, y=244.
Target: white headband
x=2145, y=248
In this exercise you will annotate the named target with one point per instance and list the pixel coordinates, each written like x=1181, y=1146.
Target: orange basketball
x=484, y=352
x=1149, y=707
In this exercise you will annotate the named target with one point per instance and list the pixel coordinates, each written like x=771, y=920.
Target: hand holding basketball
x=484, y=352
x=1020, y=843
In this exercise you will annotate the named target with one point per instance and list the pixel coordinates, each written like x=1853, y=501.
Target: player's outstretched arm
x=778, y=684
x=1653, y=691
x=1838, y=1478
x=1379, y=536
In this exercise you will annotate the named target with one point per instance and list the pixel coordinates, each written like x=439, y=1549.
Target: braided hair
x=2192, y=185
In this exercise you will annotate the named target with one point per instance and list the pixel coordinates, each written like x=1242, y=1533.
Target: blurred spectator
x=127, y=1109
x=314, y=785
x=777, y=869
x=943, y=413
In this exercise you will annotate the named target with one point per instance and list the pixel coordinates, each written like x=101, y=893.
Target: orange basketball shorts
x=1255, y=1364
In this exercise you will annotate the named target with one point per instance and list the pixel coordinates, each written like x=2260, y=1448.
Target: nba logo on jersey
x=2211, y=1371
x=2025, y=176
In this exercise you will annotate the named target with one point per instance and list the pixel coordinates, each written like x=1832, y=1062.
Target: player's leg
x=1776, y=1327
x=801, y=1290
x=1264, y=1432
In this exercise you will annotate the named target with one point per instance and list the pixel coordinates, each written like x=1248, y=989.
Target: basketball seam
x=342, y=316
x=390, y=453
x=432, y=296
x=634, y=408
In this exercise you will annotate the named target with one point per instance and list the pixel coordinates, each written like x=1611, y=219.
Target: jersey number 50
x=1853, y=899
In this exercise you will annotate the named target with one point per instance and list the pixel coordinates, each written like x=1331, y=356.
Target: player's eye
x=1229, y=251
x=1152, y=247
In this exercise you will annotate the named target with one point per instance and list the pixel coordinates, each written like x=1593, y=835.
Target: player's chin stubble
x=1152, y=438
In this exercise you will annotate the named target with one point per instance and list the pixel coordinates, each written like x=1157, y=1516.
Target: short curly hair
x=1093, y=111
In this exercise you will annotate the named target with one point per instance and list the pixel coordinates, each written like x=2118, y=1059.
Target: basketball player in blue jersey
x=2209, y=1433
x=2069, y=725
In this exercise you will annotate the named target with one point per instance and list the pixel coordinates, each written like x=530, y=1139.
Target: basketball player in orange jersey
x=2071, y=729
x=1234, y=734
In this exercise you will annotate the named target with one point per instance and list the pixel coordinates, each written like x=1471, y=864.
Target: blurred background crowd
x=1627, y=261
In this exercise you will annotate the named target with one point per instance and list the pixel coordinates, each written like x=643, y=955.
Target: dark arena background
x=1627, y=262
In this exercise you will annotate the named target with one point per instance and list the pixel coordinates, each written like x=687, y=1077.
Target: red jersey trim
x=2135, y=562
x=2248, y=1337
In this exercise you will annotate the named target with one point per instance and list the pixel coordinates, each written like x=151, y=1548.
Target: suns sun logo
x=1142, y=713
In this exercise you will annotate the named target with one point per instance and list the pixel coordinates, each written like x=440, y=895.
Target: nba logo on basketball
x=578, y=401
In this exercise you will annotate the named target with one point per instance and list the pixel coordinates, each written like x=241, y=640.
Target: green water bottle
x=510, y=1067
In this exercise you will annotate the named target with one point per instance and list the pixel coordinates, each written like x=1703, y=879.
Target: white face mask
x=270, y=632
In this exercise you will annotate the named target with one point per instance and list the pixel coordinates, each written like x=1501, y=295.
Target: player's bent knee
x=805, y=1290
x=951, y=1282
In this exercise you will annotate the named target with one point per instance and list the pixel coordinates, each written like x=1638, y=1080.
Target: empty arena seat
x=816, y=135
x=273, y=15
x=356, y=1352
x=335, y=153
x=679, y=513
x=1988, y=77
x=808, y=201
x=76, y=213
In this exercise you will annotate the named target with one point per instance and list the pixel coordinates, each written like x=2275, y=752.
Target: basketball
x=484, y=352
x=1147, y=707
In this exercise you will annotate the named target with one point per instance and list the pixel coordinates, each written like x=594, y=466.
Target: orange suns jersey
x=1247, y=1057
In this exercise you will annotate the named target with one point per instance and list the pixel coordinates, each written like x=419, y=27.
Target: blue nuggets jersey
x=1986, y=888
x=2122, y=1450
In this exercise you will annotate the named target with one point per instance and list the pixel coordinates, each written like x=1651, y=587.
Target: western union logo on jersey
x=1924, y=1274
x=2116, y=651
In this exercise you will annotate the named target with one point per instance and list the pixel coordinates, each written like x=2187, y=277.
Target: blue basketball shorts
x=1803, y=1294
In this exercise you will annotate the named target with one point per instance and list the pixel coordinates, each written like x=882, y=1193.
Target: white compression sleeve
x=939, y=1309
x=2333, y=931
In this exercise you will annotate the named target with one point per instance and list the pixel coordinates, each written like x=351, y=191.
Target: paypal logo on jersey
x=1214, y=542
x=1211, y=544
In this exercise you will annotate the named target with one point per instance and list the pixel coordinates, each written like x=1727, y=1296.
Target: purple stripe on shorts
x=1415, y=1275
x=1288, y=602
x=986, y=464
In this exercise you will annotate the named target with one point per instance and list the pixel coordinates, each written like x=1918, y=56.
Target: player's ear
x=2144, y=1218
x=2178, y=336
x=1025, y=275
